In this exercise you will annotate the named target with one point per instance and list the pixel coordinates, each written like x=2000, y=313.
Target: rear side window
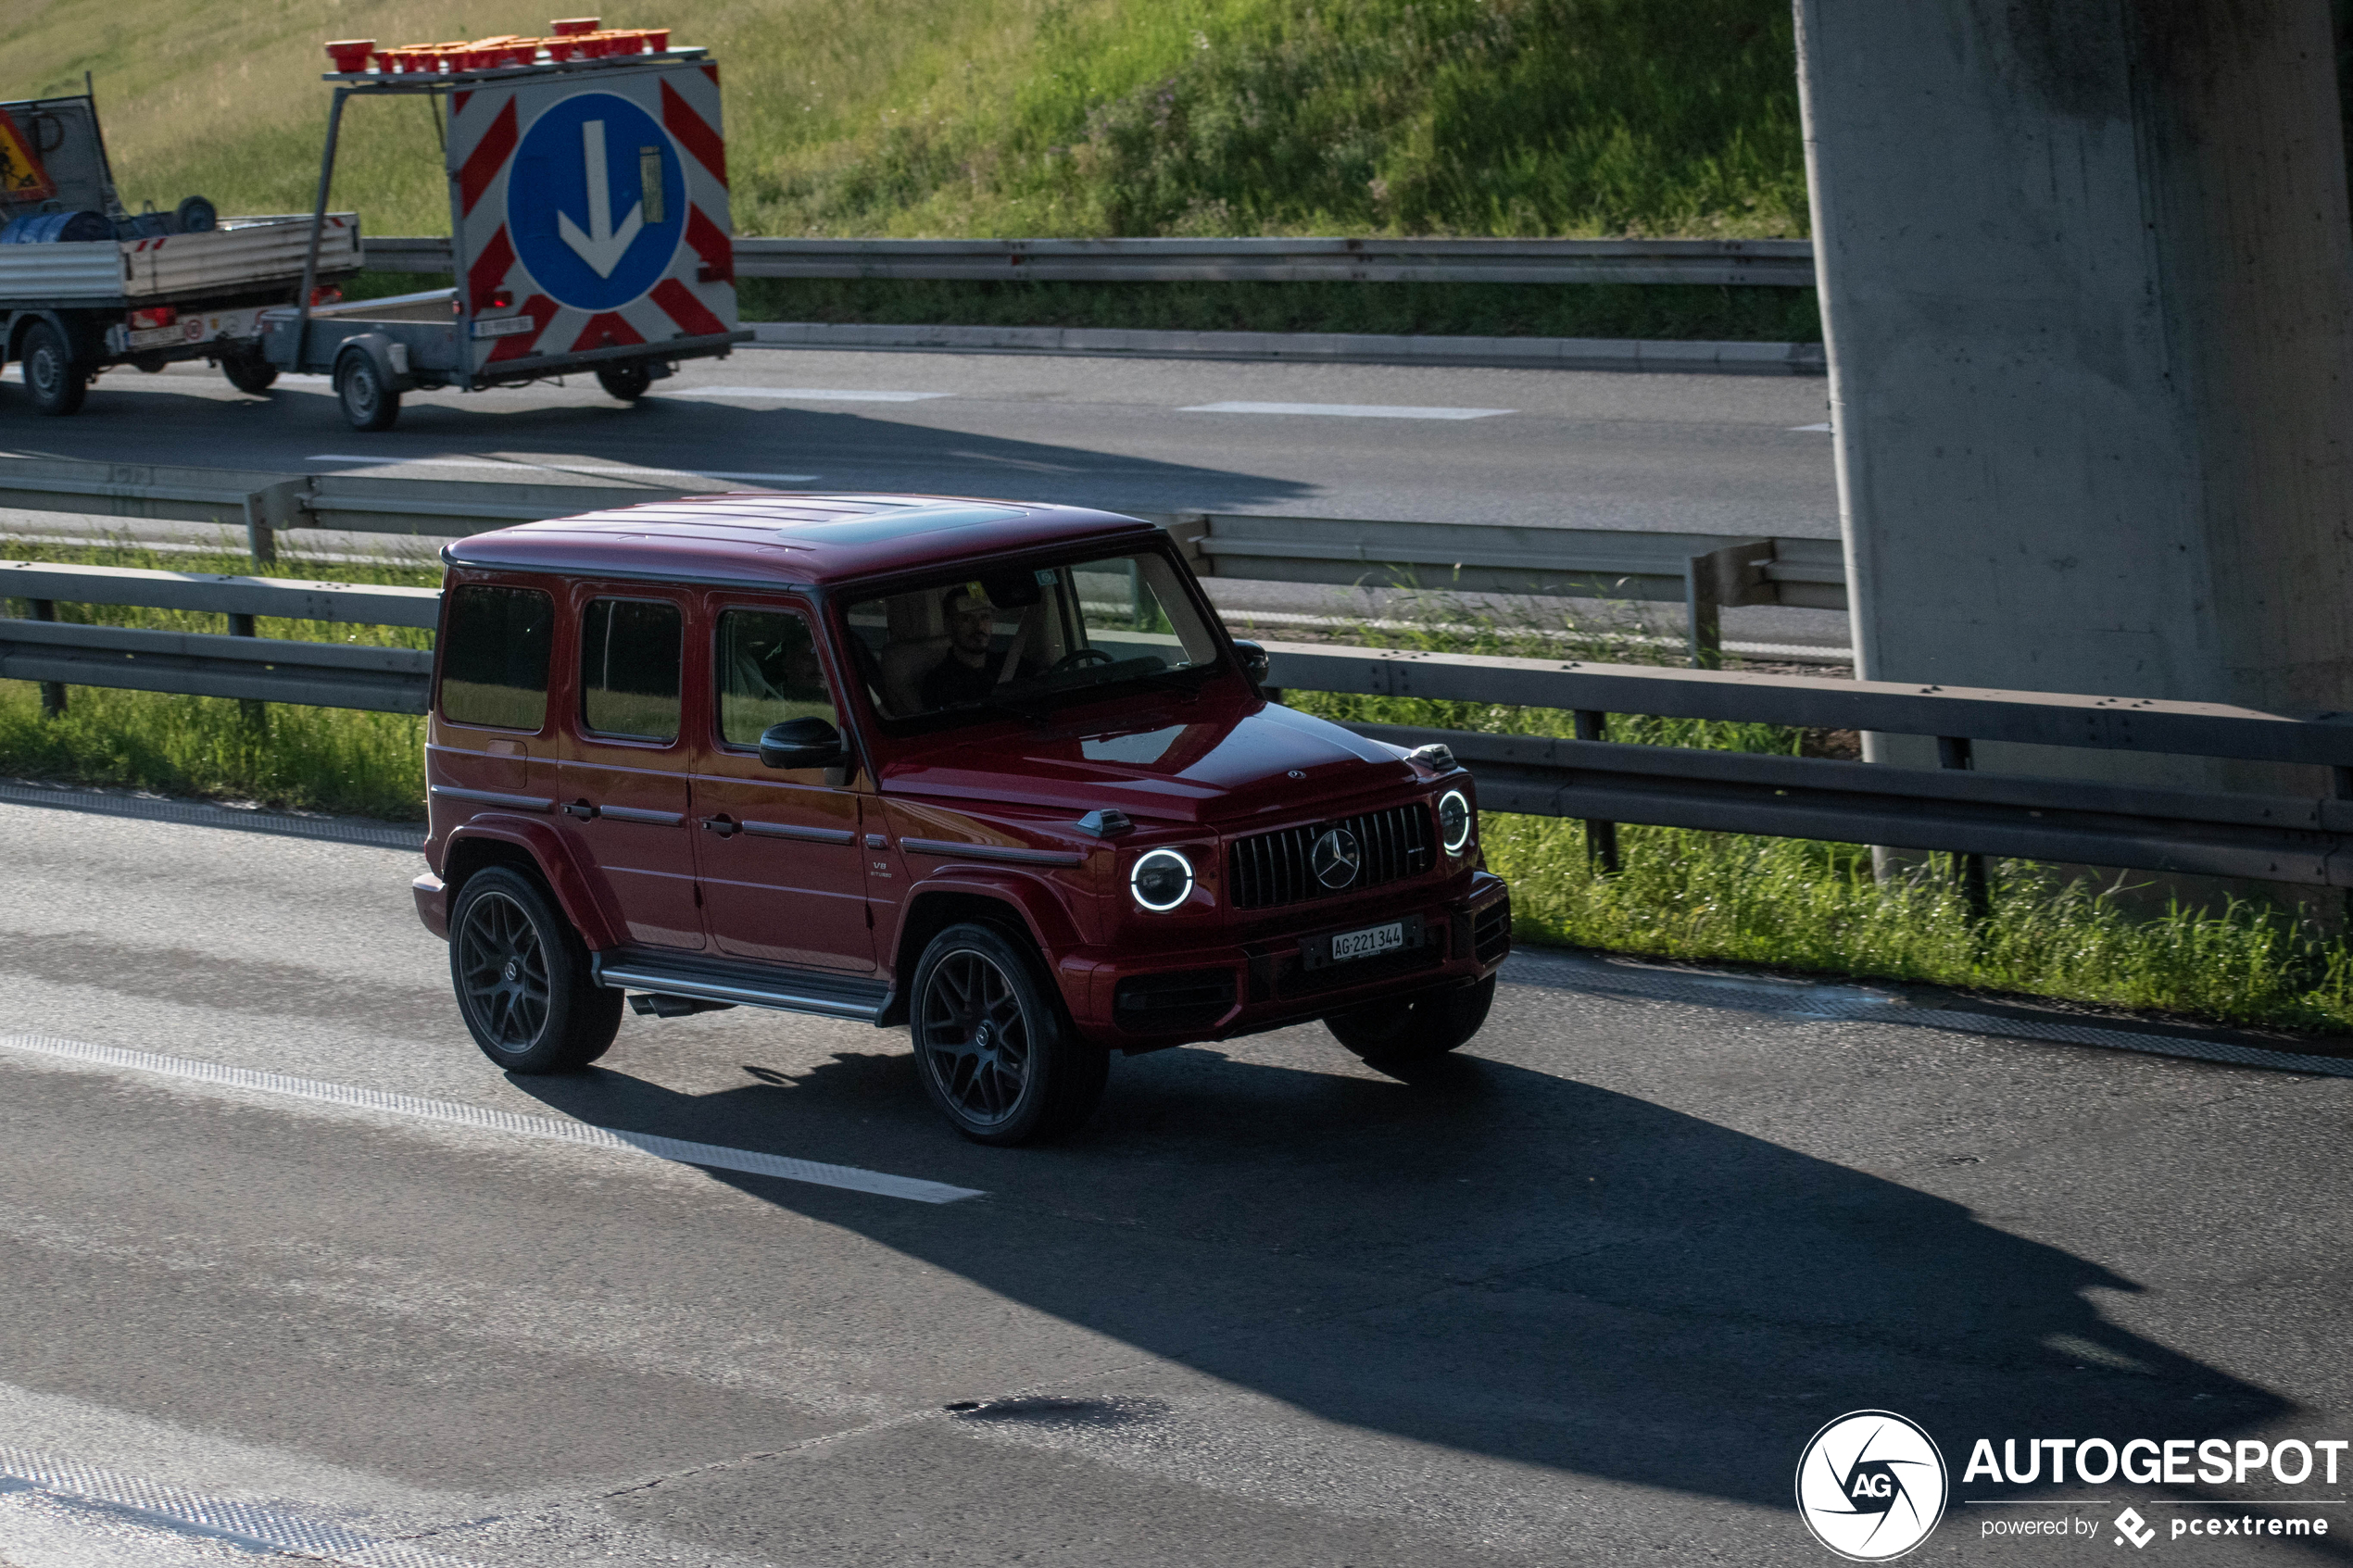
x=629, y=651
x=494, y=663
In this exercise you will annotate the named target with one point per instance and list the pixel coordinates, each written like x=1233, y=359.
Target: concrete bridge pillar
x=2087, y=285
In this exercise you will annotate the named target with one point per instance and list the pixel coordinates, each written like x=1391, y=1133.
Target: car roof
x=770, y=539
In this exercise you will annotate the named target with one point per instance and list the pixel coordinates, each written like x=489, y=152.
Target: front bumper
x=433, y=904
x=1247, y=988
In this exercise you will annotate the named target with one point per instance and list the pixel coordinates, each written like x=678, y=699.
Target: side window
x=494, y=668
x=767, y=673
x=629, y=655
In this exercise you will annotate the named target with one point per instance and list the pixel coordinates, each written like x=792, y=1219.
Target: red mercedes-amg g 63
x=990, y=770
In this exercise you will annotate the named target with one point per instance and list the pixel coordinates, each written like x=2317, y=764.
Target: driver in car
x=965, y=674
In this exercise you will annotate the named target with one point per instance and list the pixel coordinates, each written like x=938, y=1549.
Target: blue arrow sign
x=595, y=201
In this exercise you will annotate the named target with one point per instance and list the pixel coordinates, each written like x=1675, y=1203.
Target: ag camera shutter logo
x=1871, y=1486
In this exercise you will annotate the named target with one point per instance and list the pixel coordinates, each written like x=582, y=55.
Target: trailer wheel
x=627, y=383
x=248, y=372
x=368, y=403
x=57, y=384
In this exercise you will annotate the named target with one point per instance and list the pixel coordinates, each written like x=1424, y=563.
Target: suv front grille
x=1275, y=869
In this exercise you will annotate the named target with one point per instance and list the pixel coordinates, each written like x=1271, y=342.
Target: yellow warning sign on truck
x=21, y=176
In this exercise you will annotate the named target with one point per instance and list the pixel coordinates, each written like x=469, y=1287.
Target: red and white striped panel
x=694, y=294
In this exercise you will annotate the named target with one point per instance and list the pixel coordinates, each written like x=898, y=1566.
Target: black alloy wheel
x=522, y=977
x=57, y=384
x=1401, y=1034
x=997, y=1055
x=368, y=403
x=248, y=372
x=627, y=383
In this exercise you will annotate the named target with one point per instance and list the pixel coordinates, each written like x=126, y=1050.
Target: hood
x=1205, y=762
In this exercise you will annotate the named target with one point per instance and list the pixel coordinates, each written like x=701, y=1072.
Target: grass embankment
x=1084, y=117
x=1718, y=897
x=306, y=758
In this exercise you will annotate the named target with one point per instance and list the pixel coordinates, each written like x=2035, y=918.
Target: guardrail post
x=254, y=712
x=1734, y=575
x=1969, y=870
x=1601, y=838
x=53, y=692
x=267, y=510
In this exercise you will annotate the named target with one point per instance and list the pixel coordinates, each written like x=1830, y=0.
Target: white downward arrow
x=602, y=246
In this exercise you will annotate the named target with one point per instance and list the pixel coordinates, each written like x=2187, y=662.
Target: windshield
x=1028, y=639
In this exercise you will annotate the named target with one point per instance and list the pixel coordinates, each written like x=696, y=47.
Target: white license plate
x=1365, y=943
x=507, y=326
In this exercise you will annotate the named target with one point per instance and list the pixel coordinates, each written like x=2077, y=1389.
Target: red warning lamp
x=568, y=27
x=350, y=55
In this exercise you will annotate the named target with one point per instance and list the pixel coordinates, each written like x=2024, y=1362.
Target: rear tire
x=56, y=384
x=997, y=1055
x=368, y=403
x=522, y=977
x=1392, y=1035
x=248, y=372
x=627, y=383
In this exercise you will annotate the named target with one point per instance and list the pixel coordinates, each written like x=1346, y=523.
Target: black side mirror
x=802, y=742
x=1255, y=664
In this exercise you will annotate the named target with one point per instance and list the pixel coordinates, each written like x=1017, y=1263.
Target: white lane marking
x=1823, y=427
x=1348, y=411
x=677, y=1150
x=800, y=394
x=380, y=461
x=238, y=1524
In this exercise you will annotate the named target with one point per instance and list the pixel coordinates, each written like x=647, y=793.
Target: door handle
x=725, y=827
x=584, y=810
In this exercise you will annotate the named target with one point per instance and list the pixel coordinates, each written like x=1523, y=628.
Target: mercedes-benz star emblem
x=1335, y=858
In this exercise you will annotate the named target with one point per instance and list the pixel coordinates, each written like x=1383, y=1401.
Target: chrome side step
x=707, y=980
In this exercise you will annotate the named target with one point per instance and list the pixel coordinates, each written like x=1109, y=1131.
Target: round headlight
x=1454, y=821
x=1161, y=880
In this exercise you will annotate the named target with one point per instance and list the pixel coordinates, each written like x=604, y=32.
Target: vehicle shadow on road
x=840, y=451
x=1493, y=1259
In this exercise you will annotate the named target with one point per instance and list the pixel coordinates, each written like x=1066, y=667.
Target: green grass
x=1791, y=904
x=1032, y=116
x=1801, y=905
x=304, y=758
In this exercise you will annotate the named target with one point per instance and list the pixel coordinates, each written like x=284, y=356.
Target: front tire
x=1390, y=1035
x=368, y=403
x=57, y=384
x=627, y=383
x=522, y=977
x=999, y=1057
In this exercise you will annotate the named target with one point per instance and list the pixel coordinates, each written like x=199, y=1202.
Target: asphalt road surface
x=1710, y=454
x=1699, y=453
x=1581, y=1295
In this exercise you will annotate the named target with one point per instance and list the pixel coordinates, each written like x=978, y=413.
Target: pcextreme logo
x=1871, y=1486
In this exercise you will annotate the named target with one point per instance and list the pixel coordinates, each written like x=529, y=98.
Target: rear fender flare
x=478, y=842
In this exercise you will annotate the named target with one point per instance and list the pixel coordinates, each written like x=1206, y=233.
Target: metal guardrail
x=1705, y=573
x=1779, y=263
x=2298, y=839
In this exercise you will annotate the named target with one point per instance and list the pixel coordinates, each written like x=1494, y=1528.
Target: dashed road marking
x=629, y=471
x=1823, y=427
x=244, y=1525
x=680, y=1151
x=1348, y=411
